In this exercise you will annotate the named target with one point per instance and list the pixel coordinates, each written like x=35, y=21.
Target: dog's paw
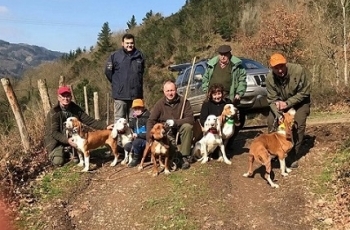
x=246, y=174
x=284, y=174
x=85, y=169
x=205, y=160
x=124, y=162
x=154, y=174
x=228, y=162
x=288, y=170
x=81, y=164
x=140, y=168
x=166, y=172
x=114, y=163
x=220, y=159
x=273, y=185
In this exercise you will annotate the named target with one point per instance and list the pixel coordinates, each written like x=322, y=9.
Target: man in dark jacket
x=168, y=109
x=56, y=141
x=124, y=70
x=288, y=86
x=138, y=123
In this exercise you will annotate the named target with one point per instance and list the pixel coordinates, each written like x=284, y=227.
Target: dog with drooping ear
x=158, y=146
x=269, y=145
x=212, y=139
x=87, y=141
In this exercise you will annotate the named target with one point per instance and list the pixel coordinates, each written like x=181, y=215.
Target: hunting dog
x=212, y=138
x=124, y=133
x=270, y=145
x=158, y=147
x=228, y=120
x=87, y=141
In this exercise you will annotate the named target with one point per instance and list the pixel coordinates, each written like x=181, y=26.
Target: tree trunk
x=86, y=101
x=96, y=109
x=344, y=4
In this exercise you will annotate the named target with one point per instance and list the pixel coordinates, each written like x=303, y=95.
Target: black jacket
x=125, y=72
x=212, y=108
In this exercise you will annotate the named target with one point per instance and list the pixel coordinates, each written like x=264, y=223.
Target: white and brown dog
x=212, y=138
x=228, y=120
x=123, y=131
x=270, y=145
x=158, y=147
x=87, y=141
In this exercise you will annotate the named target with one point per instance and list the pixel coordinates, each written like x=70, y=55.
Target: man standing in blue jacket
x=124, y=69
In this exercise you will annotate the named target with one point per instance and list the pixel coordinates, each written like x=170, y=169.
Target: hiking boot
x=134, y=162
x=186, y=162
x=294, y=165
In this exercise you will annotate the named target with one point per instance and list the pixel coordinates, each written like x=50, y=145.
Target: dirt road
x=210, y=196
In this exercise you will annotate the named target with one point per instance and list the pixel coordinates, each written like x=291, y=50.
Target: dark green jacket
x=293, y=88
x=55, y=130
x=238, y=73
x=163, y=111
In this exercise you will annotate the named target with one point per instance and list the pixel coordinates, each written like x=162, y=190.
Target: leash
x=274, y=125
x=112, y=178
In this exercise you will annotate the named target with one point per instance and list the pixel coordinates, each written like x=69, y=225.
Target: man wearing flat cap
x=288, y=86
x=227, y=70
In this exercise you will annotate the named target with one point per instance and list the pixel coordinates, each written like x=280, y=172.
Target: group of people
x=224, y=81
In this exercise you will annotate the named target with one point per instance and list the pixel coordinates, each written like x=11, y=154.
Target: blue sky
x=64, y=25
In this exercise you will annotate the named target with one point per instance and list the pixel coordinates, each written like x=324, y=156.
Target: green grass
x=171, y=211
x=55, y=185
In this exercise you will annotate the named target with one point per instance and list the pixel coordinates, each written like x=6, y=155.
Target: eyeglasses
x=65, y=96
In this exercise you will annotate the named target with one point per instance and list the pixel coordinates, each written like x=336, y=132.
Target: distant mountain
x=16, y=58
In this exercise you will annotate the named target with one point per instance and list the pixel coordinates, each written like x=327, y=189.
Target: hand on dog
x=170, y=122
x=134, y=135
x=110, y=127
x=281, y=105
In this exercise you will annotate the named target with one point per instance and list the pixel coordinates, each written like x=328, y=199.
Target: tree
x=147, y=16
x=132, y=23
x=104, y=40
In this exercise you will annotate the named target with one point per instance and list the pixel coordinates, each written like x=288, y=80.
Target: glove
x=170, y=122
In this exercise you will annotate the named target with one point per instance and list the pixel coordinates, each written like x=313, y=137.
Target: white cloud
x=3, y=10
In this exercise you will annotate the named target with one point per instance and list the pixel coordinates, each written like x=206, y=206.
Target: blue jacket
x=138, y=124
x=125, y=72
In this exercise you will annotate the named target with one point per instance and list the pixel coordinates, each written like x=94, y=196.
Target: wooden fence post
x=17, y=112
x=86, y=101
x=61, y=81
x=96, y=109
x=72, y=92
x=44, y=95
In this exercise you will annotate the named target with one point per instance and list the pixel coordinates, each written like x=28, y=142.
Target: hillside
x=17, y=58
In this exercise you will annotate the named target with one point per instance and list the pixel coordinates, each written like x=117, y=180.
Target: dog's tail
x=114, y=132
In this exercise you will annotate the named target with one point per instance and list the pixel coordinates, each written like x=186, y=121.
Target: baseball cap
x=277, y=59
x=63, y=89
x=137, y=103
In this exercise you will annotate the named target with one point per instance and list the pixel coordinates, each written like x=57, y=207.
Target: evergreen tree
x=132, y=23
x=147, y=16
x=104, y=40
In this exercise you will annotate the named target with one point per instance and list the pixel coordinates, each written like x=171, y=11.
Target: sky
x=65, y=25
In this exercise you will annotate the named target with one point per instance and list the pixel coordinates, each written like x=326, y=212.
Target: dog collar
x=230, y=121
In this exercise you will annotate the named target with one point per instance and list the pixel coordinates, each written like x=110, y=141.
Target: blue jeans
x=122, y=109
x=138, y=145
